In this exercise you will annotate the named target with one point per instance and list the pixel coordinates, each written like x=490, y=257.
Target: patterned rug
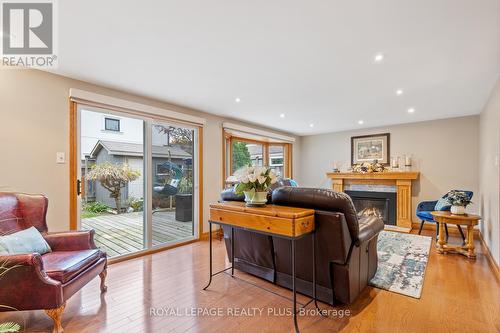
x=402, y=259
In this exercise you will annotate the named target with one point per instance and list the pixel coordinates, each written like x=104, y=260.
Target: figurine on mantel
x=367, y=167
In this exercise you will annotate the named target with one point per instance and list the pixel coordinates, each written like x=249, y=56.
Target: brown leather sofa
x=346, y=246
x=47, y=281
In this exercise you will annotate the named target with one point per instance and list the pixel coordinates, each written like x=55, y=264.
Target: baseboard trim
x=205, y=235
x=397, y=229
x=489, y=257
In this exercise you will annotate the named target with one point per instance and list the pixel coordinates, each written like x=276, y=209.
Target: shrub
x=113, y=177
x=96, y=207
x=136, y=204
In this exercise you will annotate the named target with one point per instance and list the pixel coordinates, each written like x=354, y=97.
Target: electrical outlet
x=60, y=158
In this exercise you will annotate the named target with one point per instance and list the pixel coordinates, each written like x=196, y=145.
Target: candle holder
x=407, y=161
x=394, y=163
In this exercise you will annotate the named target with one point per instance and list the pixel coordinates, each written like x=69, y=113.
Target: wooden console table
x=470, y=220
x=290, y=223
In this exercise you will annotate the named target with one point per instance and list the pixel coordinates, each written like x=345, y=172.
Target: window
x=277, y=159
x=240, y=152
x=111, y=124
x=245, y=154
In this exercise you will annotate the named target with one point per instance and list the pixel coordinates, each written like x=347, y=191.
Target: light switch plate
x=496, y=161
x=60, y=158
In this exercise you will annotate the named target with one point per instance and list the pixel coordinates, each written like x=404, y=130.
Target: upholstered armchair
x=425, y=208
x=45, y=282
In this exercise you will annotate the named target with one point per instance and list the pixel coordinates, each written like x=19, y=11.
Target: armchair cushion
x=425, y=215
x=25, y=241
x=65, y=265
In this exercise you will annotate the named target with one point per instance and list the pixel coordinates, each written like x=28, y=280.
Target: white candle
x=394, y=161
x=407, y=160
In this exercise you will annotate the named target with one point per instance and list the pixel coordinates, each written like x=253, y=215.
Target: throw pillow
x=25, y=241
x=442, y=204
x=3, y=250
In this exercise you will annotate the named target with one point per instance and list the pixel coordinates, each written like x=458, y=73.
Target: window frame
x=106, y=118
x=227, y=154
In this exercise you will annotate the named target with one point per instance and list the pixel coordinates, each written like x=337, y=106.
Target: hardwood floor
x=459, y=295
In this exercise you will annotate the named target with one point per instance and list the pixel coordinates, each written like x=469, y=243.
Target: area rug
x=402, y=259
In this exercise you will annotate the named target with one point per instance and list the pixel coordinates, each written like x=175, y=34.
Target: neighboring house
x=276, y=157
x=119, y=139
x=132, y=154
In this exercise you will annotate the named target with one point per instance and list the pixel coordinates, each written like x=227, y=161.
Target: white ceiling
x=312, y=60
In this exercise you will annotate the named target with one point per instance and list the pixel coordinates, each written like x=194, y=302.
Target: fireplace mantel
x=402, y=181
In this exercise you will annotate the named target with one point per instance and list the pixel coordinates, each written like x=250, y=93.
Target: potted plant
x=184, y=200
x=253, y=182
x=458, y=201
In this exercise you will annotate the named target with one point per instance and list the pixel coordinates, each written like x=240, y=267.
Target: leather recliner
x=346, y=246
x=45, y=282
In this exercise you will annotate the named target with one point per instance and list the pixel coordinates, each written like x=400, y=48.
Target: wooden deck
x=123, y=234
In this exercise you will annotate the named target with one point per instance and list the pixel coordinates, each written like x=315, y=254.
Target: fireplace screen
x=379, y=204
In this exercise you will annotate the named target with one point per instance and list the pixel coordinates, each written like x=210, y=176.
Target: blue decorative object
x=402, y=260
x=25, y=241
x=425, y=208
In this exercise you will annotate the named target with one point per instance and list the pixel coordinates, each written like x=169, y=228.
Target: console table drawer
x=291, y=227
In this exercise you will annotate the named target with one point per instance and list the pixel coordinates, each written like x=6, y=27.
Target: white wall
x=34, y=125
x=92, y=130
x=489, y=146
x=444, y=151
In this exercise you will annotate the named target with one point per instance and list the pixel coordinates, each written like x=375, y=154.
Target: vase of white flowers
x=254, y=183
x=458, y=201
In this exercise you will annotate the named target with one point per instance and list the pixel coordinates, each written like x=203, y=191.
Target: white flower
x=273, y=177
x=244, y=179
x=262, y=179
x=260, y=171
x=252, y=178
x=232, y=179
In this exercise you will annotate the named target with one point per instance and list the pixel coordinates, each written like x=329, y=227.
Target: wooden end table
x=469, y=220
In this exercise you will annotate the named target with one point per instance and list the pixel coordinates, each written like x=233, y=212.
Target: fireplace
x=381, y=204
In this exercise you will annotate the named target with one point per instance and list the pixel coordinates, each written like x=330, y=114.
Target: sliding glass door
x=173, y=169
x=137, y=180
x=112, y=180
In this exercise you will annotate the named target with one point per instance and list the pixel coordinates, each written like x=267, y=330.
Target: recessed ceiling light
x=237, y=100
x=282, y=115
x=311, y=125
x=411, y=110
x=361, y=122
x=399, y=92
x=378, y=57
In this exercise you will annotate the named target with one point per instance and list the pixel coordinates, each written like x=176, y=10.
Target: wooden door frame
x=73, y=178
x=73, y=165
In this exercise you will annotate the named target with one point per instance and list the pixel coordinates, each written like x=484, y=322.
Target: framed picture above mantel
x=367, y=148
